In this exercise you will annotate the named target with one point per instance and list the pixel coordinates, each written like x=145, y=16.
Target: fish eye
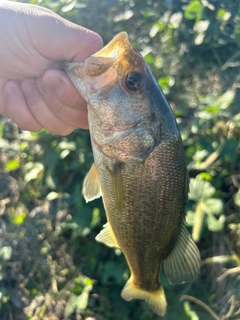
x=133, y=81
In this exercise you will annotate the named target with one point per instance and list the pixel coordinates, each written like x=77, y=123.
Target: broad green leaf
x=190, y=217
x=215, y=224
x=199, y=39
x=95, y=217
x=226, y=99
x=5, y=253
x=55, y=195
x=157, y=27
x=18, y=219
x=176, y=19
x=12, y=165
x=153, y=31
x=201, y=26
x=79, y=302
x=200, y=189
x=64, y=153
x=67, y=145
x=33, y=170
x=193, y=10
x=213, y=206
x=237, y=199
x=223, y=14
x=69, y=6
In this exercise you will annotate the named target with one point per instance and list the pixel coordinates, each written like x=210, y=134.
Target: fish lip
x=115, y=46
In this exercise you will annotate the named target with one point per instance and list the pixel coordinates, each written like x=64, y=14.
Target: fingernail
x=53, y=83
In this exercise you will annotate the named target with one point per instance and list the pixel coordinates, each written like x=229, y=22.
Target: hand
x=34, y=91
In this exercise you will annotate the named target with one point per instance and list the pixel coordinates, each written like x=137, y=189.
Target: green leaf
x=176, y=19
x=201, y=26
x=157, y=27
x=213, y=206
x=12, y=165
x=55, y=195
x=190, y=313
x=5, y=253
x=67, y=145
x=190, y=217
x=68, y=7
x=95, y=217
x=223, y=14
x=79, y=302
x=193, y=10
x=237, y=199
x=215, y=224
x=18, y=219
x=33, y=170
x=226, y=99
x=200, y=189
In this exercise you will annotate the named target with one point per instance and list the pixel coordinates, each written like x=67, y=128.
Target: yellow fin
x=117, y=185
x=107, y=236
x=184, y=261
x=91, y=185
x=155, y=299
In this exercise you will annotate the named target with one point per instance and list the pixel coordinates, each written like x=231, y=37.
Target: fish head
x=120, y=89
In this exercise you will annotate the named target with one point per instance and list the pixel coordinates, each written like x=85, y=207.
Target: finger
x=79, y=42
x=40, y=110
x=17, y=108
x=73, y=117
x=59, y=83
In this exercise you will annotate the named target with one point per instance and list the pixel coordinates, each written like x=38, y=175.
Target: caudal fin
x=155, y=299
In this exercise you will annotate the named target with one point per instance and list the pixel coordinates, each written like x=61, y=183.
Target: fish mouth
x=106, y=67
x=115, y=47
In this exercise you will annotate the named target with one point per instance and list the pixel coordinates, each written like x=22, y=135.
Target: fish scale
x=139, y=169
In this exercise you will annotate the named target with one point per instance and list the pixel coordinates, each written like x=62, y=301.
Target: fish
x=139, y=170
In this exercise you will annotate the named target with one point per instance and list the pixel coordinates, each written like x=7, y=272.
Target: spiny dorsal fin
x=183, y=263
x=107, y=236
x=155, y=299
x=91, y=185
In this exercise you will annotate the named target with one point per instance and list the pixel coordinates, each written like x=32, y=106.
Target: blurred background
x=50, y=265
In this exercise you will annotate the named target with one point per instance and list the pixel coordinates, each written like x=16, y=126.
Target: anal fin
x=91, y=185
x=107, y=236
x=184, y=261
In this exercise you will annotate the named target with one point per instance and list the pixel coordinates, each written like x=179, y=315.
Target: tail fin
x=155, y=299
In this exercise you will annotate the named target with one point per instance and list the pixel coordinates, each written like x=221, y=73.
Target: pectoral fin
x=183, y=263
x=107, y=236
x=91, y=185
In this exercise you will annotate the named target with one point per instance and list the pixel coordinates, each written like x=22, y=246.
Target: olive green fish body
x=153, y=208
x=139, y=169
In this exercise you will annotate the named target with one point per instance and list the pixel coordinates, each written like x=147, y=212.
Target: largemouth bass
x=139, y=169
